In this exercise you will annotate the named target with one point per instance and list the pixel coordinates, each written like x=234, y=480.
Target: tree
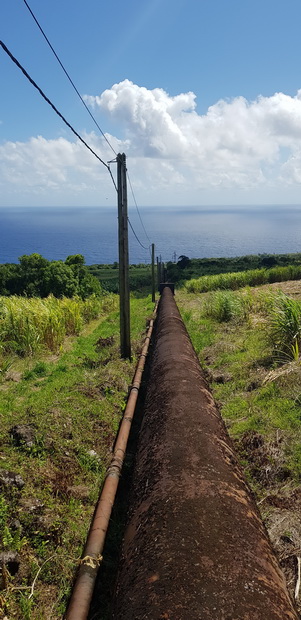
x=268, y=261
x=10, y=279
x=75, y=259
x=87, y=284
x=183, y=261
x=32, y=268
x=172, y=272
x=60, y=280
x=36, y=276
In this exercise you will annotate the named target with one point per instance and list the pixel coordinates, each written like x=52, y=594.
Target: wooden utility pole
x=161, y=269
x=153, y=274
x=158, y=273
x=124, y=289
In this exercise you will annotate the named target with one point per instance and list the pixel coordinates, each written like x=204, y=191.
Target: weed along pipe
x=80, y=601
x=195, y=547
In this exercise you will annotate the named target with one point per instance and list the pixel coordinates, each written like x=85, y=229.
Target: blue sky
x=201, y=96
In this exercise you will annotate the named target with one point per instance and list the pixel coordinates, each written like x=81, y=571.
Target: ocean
x=196, y=232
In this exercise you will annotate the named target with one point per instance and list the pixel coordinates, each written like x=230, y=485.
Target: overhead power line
x=136, y=236
x=55, y=109
x=135, y=201
x=68, y=76
x=91, y=115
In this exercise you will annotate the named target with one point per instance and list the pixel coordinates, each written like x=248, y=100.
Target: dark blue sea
x=196, y=232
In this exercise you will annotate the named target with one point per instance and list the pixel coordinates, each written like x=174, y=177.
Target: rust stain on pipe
x=80, y=601
x=195, y=547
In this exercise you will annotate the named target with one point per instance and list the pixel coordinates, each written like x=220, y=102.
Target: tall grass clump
x=224, y=306
x=240, y=279
x=285, y=322
x=29, y=324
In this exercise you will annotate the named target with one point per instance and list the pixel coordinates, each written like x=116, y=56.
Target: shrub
x=240, y=279
x=227, y=306
x=285, y=322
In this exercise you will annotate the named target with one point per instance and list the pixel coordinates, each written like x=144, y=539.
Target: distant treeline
x=187, y=268
x=36, y=276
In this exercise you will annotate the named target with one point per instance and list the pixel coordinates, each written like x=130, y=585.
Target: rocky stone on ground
x=23, y=434
x=219, y=377
x=32, y=505
x=11, y=561
x=10, y=479
x=92, y=453
x=16, y=525
x=104, y=342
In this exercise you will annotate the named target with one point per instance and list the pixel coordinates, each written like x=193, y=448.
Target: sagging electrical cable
x=67, y=75
x=18, y=64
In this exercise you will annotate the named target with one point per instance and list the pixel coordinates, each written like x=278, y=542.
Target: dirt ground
x=280, y=506
x=291, y=288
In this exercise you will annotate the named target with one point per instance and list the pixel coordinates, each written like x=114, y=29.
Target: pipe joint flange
x=91, y=561
x=114, y=470
x=116, y=462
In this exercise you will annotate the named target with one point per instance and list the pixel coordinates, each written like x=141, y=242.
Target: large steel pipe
x=195, y=547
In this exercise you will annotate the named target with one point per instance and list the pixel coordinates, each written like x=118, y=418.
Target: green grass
x=258, y=394
x=75, y=408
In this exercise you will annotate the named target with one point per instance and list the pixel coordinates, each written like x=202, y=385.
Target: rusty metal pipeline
x=82, y=592
x=195, y=547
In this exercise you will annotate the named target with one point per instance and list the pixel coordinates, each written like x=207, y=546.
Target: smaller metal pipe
x=81, y=597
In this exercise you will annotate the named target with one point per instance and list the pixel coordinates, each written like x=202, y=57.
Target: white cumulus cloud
x=238, y=151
